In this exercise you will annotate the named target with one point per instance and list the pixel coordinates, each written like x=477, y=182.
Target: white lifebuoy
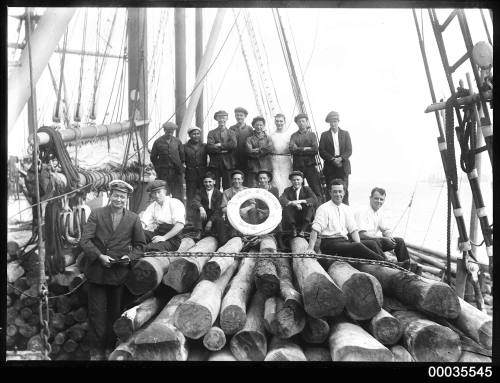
x=234, y=217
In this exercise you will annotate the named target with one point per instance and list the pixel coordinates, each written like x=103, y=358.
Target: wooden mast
x=180, y=64
x=198, y=56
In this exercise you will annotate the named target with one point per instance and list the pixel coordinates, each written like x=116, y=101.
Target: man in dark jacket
x=299, y=203
x=195, y=154
x=207, y=212
x=304, y=147
x=259, y=147
x=221, y=145
x=335, y=148
x=167, y=156
x=111, y=238
x=242, y=132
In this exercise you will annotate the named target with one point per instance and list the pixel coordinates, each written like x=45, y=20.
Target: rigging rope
x=61, y=77
x=77, y=116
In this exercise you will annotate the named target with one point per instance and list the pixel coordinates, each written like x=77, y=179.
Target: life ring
x=234, y=217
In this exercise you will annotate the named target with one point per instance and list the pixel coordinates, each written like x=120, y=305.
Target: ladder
x=485, y=122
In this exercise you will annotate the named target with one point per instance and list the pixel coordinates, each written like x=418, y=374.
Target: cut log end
x=193, y=320
x=322, y=297
x=436, y=344
x=387, y=330
x=249, y=346
x=181, y=275
x=142, y=278
x=364, y=297
x=232, y=319
x=211, y=271
x=214, y=339
x=441, y=300
x=123, y=328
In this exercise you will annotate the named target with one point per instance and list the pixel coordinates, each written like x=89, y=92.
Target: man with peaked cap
x=163, y=220
x=335, y=149
x=259, y=148
x=304, y=147
x=221, y=145
x=111, y=238
x=167, y=156
x=207, y=212
x=242, y=131
x=264, y=178
x=299, y=203
x=195, y=154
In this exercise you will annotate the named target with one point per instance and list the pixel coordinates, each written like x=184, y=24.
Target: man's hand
x=105, y=260
x=393, y=241
x=203, y=213
x=125, y=259
x=338, y=162
x=218, y=145
x=158, y=238
x=208, y=226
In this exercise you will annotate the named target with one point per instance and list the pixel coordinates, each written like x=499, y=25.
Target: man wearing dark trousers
x=167, y=156
x=298, y=203
x=334, y=221
x=195, y=154
x=371, y=224
x=335, y=149
x=242, y=132
x=221, y=145
x=111, y=238
x=304, y=147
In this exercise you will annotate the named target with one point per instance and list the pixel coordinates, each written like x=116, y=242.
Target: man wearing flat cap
x=259, y=147
x=242, y=131
x=195, y=154
x=221, y=145
x=335, y=148
x=304, y=147
x=299, y=203
x=111, y=238
x=163, y=220
x=167, y=156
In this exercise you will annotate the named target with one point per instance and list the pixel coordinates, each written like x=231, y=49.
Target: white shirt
x=334, y=221
x=171, y=212
x=209, y=195
x=297, y=193
x=335, y=136
x=372, y=222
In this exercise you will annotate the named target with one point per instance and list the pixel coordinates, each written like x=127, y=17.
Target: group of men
x=240, y=157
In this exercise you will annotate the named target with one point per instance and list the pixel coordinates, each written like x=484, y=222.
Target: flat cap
x=210, y=174
x=330, y=116
x=241, y=110
x=264, y=171
x=193, y=128
x=221, y=113
x=169, y=125
x=237, y=172
x=157, y=185
x=296, y=173
x=300, y=115
x=258, y=118
x=121, y=186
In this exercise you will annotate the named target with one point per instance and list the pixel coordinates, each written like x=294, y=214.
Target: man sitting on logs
x=108, y=236
x=163, y=220
x=334, y=221
x=371, y=223
x=299, y=203
x=207, y=212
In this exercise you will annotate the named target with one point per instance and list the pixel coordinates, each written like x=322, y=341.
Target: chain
x=190, y=254
x=45, y=331
x=51, y=297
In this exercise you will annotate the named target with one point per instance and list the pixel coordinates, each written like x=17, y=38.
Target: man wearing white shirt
x=371, y=224
x=335, y=222
x=163, y=220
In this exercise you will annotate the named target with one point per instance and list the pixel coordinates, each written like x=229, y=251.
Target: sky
x=363, y=63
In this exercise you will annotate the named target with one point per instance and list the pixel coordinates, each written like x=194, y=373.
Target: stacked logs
x=293, y=309
x=68, y=323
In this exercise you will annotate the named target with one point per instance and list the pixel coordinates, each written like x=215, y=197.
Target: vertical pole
x=198, y=56
x=180, y=65
x=137, y=52
x=31, y=100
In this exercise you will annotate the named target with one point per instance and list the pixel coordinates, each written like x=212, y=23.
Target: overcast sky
x=364, y=63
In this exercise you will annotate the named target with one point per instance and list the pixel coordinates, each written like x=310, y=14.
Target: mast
x=29, y=28
x=44, y=40
x=137, y=53
x=180, y=64
x=198, y=56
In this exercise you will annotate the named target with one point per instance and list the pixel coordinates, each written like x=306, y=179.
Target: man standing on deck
x=221, y=145
x=242, y=132
x=111, y=238
x=371, y=223
x=334, y=221
x=259, y=148
x=304, y=147
x=335, y=149
x=195, y=154
x=163, y=220
x=281, y=159
x=167, y=156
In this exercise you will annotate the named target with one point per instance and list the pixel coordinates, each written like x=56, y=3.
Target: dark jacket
x=168, y=154
x=98, y=237
x=326, y=149
x=241, y=154
x=195, y=155
x=225, y=154
x=305, y=193
x=262, y=159
x=201, y=199
x=302, y=157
